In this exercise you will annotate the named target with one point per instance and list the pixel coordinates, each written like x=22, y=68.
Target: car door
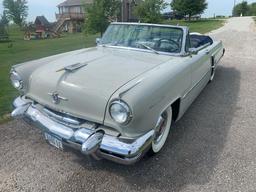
x=201, y=65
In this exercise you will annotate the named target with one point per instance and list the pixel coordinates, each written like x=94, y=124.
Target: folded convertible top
x=200, y=40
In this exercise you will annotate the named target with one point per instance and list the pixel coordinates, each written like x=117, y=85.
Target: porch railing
x=79, y=16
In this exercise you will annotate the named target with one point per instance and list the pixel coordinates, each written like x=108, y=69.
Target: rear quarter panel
x=217, y=51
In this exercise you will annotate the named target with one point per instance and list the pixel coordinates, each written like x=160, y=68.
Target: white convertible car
x=118, y=100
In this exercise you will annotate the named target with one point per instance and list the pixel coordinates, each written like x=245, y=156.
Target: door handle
x=207, y=52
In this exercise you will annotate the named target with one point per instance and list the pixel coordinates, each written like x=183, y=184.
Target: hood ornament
x=73, y=67
x=56, y=98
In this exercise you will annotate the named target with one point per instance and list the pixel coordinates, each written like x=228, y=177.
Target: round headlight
x=120, y=112
x=16, y=80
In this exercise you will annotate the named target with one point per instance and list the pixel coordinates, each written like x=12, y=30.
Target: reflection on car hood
x=88, y=88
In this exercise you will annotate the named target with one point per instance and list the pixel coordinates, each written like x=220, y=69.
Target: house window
x=65, y=9
x=76, y=9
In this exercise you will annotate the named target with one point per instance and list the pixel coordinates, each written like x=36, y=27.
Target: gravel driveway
x=212, y=148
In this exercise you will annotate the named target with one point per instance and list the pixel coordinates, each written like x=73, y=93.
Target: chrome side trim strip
x=195, y=85
x=128, y=89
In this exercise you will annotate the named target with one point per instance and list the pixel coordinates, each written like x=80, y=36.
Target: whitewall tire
x=161, y=131
x=213, y=70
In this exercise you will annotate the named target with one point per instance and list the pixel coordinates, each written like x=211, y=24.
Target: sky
x=48, y=8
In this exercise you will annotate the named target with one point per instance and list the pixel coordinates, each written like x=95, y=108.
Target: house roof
x=69, y=3
x=42, y=20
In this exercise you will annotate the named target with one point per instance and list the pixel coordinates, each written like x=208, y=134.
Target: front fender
x=156, y=90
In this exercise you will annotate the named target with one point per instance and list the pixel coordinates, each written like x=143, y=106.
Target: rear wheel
x=161, y=131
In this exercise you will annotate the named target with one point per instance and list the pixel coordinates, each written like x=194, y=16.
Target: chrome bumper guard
x=88, y=141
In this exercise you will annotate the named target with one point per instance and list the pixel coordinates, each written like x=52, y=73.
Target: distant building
x=43, y=27
x=172, y=15
x=71, y=15
x=127, y=13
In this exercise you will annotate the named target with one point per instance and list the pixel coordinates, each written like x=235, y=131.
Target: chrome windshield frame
x=183, y=44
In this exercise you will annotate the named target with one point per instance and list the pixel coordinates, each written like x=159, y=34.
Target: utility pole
x=234, y=6
x=122, y=10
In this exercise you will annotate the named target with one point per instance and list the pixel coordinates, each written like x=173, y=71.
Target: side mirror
x=98, y=41
x=193, y=51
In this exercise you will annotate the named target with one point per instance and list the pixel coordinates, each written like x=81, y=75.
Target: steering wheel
x=173, y=43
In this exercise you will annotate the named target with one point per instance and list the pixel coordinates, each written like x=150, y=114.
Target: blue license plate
x=53, y=141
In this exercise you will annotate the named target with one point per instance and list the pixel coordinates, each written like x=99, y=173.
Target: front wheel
x=213, y=70
x=162, y=130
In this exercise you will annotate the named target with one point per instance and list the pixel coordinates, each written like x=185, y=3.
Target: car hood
x=86, y=91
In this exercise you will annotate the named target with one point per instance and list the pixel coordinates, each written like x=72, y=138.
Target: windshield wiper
x=105, y=45
x=149, y=48
x=109, y=44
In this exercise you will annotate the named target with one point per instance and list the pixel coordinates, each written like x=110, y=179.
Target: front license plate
x=53, y=141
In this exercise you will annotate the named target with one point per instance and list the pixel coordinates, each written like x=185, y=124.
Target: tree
x=244, y=9
x=252, y=9
x=3, y=26
x=16, y=10
x=189, y=7
x=4, y=19
x=99, y=15
x=241, y=9
x=149, y=11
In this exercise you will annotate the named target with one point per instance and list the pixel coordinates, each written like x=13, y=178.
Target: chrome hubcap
x=213, y=72
x=160, y=128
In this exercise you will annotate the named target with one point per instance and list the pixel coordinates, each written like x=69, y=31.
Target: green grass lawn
x=18, y=51
x=201, y=26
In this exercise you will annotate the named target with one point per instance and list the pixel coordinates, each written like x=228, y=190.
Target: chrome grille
x=68, y=119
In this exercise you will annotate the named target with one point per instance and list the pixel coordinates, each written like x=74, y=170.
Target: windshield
x=154, y=38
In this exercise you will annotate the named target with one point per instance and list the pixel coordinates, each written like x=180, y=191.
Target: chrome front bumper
x=89, y=141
